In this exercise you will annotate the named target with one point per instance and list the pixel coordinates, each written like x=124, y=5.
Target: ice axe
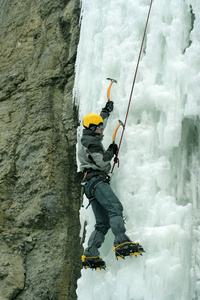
x=116, y=159
x=108, y=91
x=116, y=129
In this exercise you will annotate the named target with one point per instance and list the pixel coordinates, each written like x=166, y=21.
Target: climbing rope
x=116, y=160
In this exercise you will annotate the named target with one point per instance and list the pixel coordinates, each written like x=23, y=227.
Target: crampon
x=94, y=262
x=128, y=249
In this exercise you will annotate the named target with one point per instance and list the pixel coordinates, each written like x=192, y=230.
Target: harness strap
x=93, y=187
x=88, y=174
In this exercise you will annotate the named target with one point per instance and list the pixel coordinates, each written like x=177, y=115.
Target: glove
x=113, y=147
x=109, y=106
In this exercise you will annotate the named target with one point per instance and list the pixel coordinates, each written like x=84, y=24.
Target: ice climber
x=108, y=210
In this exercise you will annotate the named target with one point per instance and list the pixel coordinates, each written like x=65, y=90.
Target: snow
x=158, y=177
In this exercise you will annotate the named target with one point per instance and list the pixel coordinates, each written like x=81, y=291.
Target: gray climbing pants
x=108, y=212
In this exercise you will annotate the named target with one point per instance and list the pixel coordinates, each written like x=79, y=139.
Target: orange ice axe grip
x=108, y=91
x=116, y=129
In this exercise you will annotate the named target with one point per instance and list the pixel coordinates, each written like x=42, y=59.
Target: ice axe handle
x=116, y=129
x=108, y=91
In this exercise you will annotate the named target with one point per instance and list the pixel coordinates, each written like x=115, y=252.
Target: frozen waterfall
x=158, y=177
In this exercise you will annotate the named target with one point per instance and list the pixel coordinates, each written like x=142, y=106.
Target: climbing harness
x=88, y=174
x=116, y=160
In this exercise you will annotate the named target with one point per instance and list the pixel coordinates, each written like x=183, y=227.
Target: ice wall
x=158, y=177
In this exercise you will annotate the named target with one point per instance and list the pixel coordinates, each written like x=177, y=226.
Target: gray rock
x=40, y=248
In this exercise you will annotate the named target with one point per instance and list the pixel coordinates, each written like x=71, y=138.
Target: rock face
x=39, y=186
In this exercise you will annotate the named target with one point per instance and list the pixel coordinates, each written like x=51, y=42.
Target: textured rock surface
x=39, y=186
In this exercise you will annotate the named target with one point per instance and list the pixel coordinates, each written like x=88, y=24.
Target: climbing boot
x=128, y=249
x=94, y=262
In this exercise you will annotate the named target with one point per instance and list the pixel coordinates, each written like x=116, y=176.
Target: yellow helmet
x=92, y=119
